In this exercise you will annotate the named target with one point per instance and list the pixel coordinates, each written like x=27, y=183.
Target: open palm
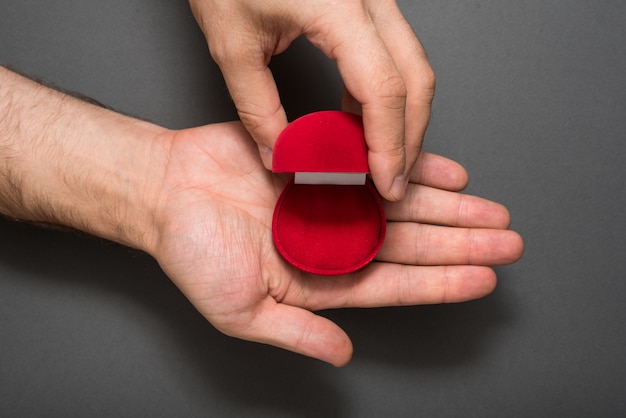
x=215, y=243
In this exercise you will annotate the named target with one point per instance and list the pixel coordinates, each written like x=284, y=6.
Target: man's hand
x=214, y=241
x=384, y=67
x=201, y=203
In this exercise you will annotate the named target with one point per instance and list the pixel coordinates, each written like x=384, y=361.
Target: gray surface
x=531, y=99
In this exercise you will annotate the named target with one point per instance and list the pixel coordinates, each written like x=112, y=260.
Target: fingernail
x=398, y=187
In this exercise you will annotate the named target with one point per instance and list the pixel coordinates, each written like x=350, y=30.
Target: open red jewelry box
x=329, y=219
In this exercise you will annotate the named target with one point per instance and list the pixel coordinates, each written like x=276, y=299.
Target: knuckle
x=429, y=78
x=229, y=50
x=426, y=81
x=390, y=149
x=446, y=285
x=253, y=121
x=422, y=91
x=259, y=122
x=391, y=90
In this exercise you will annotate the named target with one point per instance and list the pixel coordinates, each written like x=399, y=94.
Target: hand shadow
x=213, y=365
x=425, y=337
x=308, y=81
x=258, y=376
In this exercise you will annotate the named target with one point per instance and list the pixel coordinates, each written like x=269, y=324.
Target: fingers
x=382, y=63
x=290, y=327
x=242, y=47
x=297, y=330
x=418, y=244
x=389, y=81
x=373, y=80
x=439, y=207
x=410, y=58
x=440, y=172
x=254, y=92
x=381, y=93
x=416, y=233
x=387, y=284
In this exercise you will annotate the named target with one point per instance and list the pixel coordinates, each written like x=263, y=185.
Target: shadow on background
x=424, y=337
x=247, y=373
x=299, y=73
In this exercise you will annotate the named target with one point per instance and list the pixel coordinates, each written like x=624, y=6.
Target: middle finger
x=429, y=245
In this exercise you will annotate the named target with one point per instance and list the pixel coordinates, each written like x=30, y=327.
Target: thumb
x=298, y=330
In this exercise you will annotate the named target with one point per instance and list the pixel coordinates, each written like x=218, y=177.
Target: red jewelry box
x=329, y=219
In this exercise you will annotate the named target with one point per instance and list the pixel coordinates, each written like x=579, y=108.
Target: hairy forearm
x=66, y=162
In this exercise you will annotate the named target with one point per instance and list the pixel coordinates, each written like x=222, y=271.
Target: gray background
x=531, y=99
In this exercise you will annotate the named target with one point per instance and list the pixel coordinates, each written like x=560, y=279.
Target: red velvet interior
x=329, y=229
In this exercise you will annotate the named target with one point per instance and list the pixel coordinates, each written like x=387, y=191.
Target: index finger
x=255, y=94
